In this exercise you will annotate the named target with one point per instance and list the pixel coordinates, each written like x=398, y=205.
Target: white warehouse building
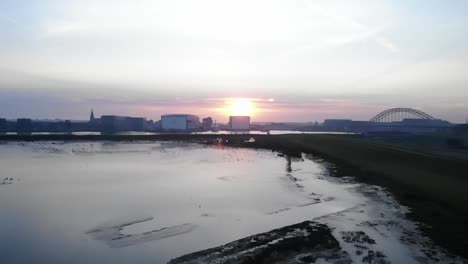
x=180, y=122
x=239, y=123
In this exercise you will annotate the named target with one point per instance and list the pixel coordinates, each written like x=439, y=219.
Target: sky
x=296, y=60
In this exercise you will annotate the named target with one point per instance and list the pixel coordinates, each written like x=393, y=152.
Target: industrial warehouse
x=180, y=122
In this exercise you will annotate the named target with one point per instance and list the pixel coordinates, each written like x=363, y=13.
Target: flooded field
x=103, y=202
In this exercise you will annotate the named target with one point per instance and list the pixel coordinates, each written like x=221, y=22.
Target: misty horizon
x=316, y=60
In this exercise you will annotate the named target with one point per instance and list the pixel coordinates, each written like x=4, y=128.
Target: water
x=64, y=202
x=221, y=132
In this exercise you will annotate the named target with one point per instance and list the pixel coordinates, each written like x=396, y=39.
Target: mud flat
x=111, y=233
x=306, y=242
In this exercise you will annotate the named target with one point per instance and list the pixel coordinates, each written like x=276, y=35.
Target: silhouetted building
x=24, y=126
x=425, y=123
x=3, y=125
x=112, y=124
x=157, y=125
x=149, y=125
x=180, y=122
x=207, y=123
x=67, y=126
x=93, y=123
x=359, y=126
x=407, y=125
x=239, y=123
x=91, y=116
x=48, y=126
x=337, y=125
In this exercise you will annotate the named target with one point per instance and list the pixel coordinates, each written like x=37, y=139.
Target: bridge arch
x=398, y=114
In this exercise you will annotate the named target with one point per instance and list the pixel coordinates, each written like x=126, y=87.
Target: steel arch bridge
x=398, y=114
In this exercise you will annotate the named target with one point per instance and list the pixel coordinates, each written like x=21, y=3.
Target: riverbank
x=300, y=243
x=432, y=185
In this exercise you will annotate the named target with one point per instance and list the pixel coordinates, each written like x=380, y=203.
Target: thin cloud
x=357, y=30
x=384, y=42
x=8, y=19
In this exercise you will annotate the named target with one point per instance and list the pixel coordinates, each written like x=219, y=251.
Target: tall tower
x=91, y=116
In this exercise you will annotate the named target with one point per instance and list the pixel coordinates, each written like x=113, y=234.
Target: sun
x=240, y=107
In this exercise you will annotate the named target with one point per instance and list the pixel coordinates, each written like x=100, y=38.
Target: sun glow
x=240, y=107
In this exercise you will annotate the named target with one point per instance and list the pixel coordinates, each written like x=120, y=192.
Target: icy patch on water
x=38, y=149
x=378, y=232
x=111, y=232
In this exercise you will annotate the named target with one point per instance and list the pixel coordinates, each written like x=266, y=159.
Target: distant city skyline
x=303, y=61
x=222, y=108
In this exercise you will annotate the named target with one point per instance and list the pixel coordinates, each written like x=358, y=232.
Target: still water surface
x=64, y=202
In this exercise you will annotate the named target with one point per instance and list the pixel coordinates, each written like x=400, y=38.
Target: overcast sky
x=316, y=59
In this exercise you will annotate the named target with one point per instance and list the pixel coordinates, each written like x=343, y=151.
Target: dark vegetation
x=432, y=181
x=450, y=143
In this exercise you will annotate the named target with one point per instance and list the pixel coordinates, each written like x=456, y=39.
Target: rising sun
x=240, y=107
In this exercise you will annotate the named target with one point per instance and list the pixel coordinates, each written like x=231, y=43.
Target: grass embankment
x=434, y=185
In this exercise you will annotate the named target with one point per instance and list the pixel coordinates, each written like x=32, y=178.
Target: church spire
x=91, y=117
